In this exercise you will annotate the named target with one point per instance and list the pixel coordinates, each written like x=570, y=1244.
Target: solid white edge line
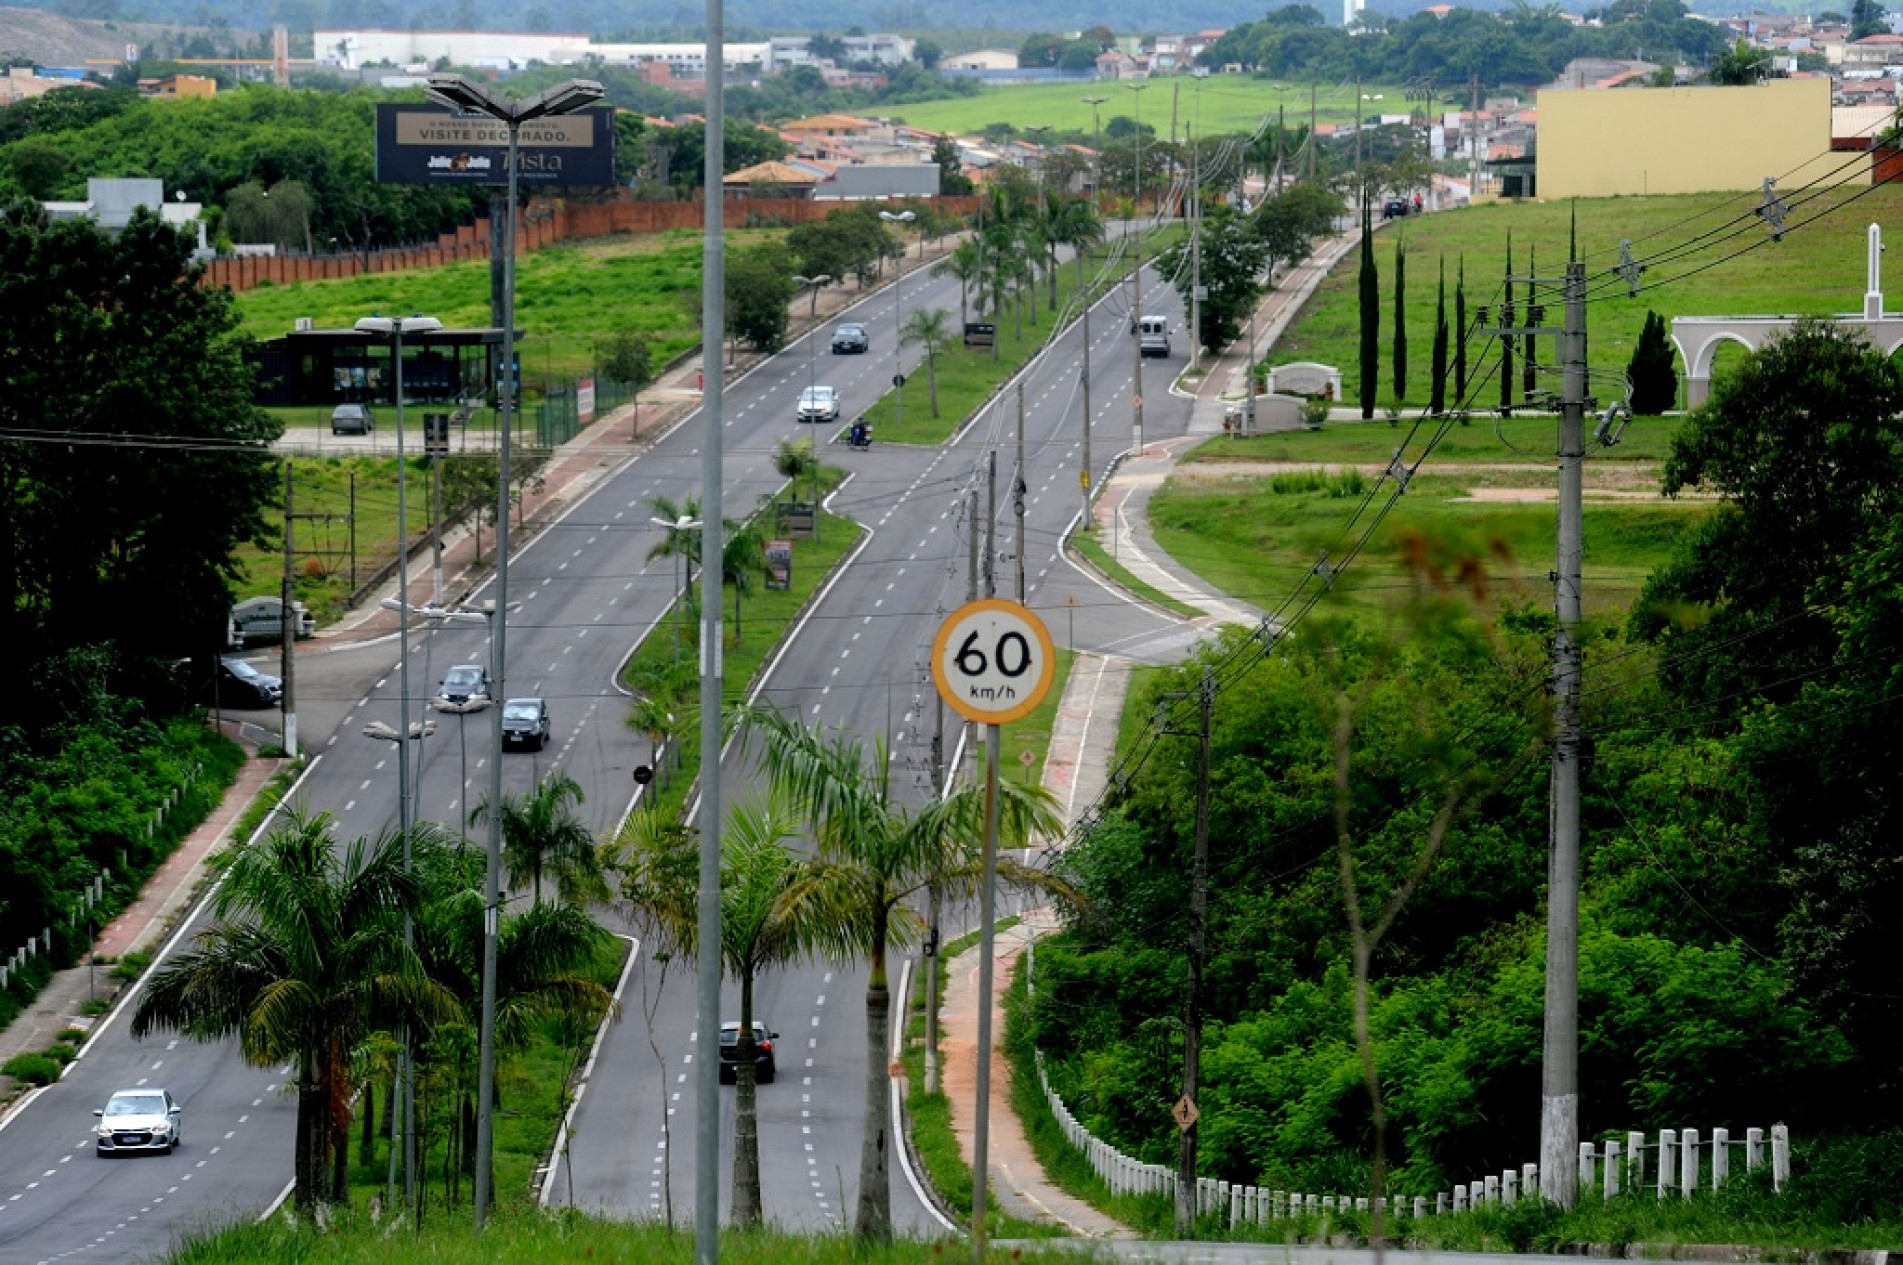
x=900, y=1013
x=588, y=1068
x=279, y=1201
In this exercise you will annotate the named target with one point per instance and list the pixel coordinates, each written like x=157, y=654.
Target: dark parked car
x=465, y=688
x=850, y=338
x=241, y=685
x=138, y=1120
x=357, y=419
x=1396, y=209
x=525, y=723
x=763, y=1065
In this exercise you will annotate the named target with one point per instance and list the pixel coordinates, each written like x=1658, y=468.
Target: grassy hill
x=1223, y=103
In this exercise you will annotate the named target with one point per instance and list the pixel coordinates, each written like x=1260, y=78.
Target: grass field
x=568, y=298
x=1705, y=260
x=1223, y=103
x=1255, y=527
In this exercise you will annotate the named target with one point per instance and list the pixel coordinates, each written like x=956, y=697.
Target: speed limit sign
x=993, y=661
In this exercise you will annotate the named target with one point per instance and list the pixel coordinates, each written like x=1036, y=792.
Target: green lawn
x=1032, y=735
x=1099, y=557
x=568, y=298
x=1222, y=103
x=1818, y=269
x=1256, y=535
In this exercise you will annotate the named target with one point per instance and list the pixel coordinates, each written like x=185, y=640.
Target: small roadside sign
x=1185, y=1113
x=993, y=661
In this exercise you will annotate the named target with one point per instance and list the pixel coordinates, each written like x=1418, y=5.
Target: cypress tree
x=1506, y=338
x=1437, y=391
x=1653, y=369
x=1400, y=318
x=1370, y=294
x=1460, y=331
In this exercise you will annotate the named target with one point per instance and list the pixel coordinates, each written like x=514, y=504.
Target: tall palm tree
x=773, y=910
x=742, y=561
x=966, y=261
x=1077, y=224
x=930, y=328
x=305, y=959
x=876, y=855
x=678, y=542
x=541, y=834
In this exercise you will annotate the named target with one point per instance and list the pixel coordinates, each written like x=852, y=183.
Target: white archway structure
x=1699, y=337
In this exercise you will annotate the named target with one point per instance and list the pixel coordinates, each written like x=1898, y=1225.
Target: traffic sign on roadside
x=1185, y=1113
x=993, y=661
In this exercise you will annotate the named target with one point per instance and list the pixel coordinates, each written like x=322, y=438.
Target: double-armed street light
x=898, y=319
x=465, y=95
x=812, y=378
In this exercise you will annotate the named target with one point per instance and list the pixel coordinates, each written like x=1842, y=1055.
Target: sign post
x=993, y=662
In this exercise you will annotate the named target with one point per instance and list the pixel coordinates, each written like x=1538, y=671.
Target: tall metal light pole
x=898, y=323
x=1136, y=279
x=1096, y=200
x=463, y=94
x=812, y=380
x=393, y=328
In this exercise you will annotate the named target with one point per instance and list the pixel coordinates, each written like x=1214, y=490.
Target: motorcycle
x=859, y=436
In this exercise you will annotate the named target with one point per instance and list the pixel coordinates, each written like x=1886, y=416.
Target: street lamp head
x=397, y=324
x=1094, y=102
x=903, y=217
x=461, y=93
x=820, y=280
x=683, y=523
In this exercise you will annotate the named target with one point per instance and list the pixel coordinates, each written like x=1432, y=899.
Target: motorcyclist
x=860, y=436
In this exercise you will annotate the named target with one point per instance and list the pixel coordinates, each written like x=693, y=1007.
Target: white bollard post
x=1235, y=1206
x=1529, y=1177
x=1509, y=1188
x=1277, y=1204
x=1780, y=1156
x=1460, y=1199
x=1635, y=1161
x=1586, y=1157
x=1612, y=1169
x=1361, y=1203
x=1753, y=1149
x=1720, y=1158
x=1493, y=1190
x=1688, y=1163
x=1420, y=1207
x=1441, y=1202
x=1668, y=1160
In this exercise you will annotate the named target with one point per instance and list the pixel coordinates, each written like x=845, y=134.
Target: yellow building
x=1634, y=141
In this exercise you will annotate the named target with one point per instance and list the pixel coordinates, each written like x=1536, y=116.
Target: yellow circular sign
x=993, y=661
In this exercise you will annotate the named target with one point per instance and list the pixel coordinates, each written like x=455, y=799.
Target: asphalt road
x=587, y=593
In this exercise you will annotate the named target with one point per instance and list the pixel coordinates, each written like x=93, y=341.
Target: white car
x=819, y=404
x=138, y=1120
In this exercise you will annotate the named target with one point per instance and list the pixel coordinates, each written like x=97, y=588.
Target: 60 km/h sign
x=993, y=661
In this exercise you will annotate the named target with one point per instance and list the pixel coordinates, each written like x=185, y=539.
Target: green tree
x=1291, y=222
x=1742, y=64
x=881, y=855
x=1437, y=368
x=1867, y=18
x=1233, y=259
x=759, y=287
x=1368, y=292
x=746, y=146
x=126, y=349
x=930, y=328
x=543, y=835
x=742, y=561
x=37, y=168
x=1653, y=369
x=1460, y=332
x=952, y=179
x=773, y=910
x=304, y=960
x=1400, y=318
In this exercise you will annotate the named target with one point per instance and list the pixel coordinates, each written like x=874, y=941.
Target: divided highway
x=587, y=593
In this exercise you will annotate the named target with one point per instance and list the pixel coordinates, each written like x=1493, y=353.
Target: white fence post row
x=1720, y=1158
x=1688, y=1163
x=1780, y=1156
x=1668, y=1160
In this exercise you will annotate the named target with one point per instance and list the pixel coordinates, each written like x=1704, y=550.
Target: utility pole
x=1473, y=143
x=987, y=912
x=1361, y=193
x=1096, y=196
x=1195, y=255
x=1559, y=1077
x=1018, y=489
x=1309, y=144
x=287, y=663
x=1186, y=1111
x=1136, y=280
x=991, y=523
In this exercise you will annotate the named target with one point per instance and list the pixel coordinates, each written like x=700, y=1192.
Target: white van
x=1153, y=335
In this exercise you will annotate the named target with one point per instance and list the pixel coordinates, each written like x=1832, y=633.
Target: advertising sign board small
x=428, y=145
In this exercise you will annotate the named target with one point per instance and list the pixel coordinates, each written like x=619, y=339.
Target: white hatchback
x=138, y=1120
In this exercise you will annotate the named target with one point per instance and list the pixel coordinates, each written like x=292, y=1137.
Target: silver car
x=357, y=419
x=465, y=688
x=138, y=1120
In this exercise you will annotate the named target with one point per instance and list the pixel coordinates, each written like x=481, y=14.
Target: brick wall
x=545, y=225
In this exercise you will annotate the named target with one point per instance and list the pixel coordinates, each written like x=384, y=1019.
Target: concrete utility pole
x=1195, y=254
x=1136, y=279
x=1198, y=951
x=1018, y=490
x=987, y=896
x=287, y=662
x=1559, y=1078
x=1096, y=200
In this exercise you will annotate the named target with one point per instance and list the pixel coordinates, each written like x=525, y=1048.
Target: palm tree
x=1078, y=225
x=542, y=835
x=681, y=541
x=966, y=261
x=742, y=559
x=305, y=960
x=930, y=328
x=875, y=856
x=774, y=909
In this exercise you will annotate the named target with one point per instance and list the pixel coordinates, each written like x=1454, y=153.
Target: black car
x=241, y=685
x=525, y=723
x=763, y=1065
x=465, y=688
x=1396, y=209
x=850, y=339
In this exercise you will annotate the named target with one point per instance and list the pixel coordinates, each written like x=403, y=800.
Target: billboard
x=420, y=144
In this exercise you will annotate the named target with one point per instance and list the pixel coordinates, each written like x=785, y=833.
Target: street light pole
x=461, y=93
x=812, y=380
x=1096, y=200
x=1136, y=278
x=898, y=322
